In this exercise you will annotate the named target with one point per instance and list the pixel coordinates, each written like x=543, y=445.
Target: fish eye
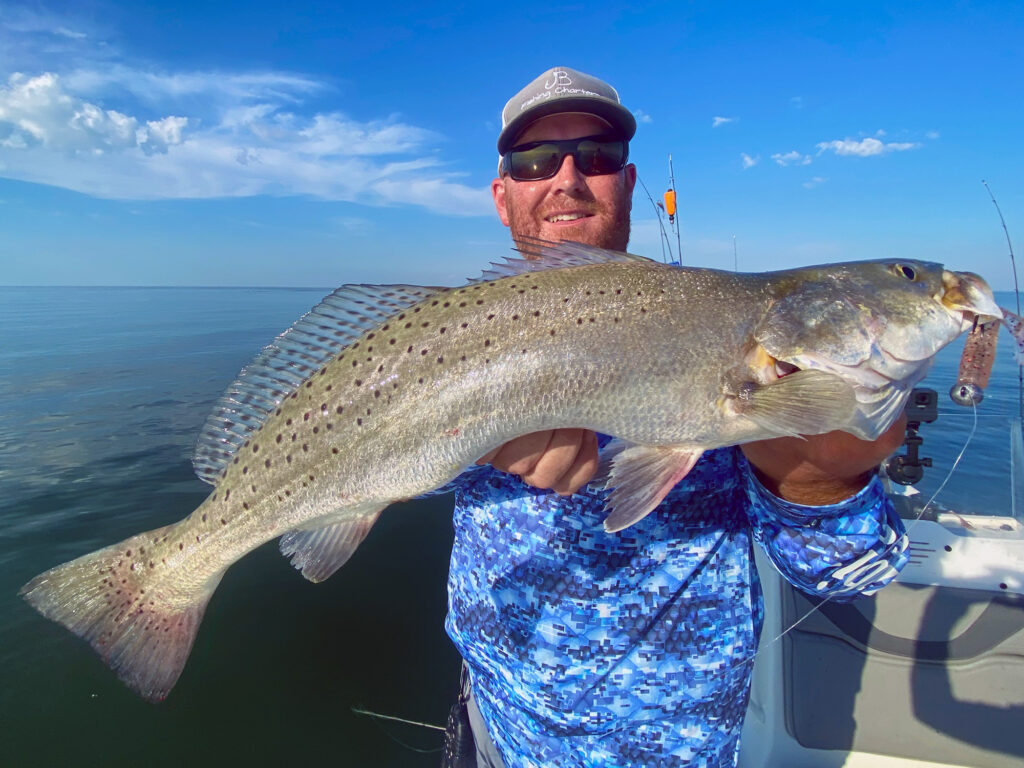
x=905, y=271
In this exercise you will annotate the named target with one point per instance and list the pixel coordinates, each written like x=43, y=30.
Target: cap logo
x=559, y=85
x=559, y=77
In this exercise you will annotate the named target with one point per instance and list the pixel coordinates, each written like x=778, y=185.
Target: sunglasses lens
x=542, y=161
x=539, y=162
x=599, y=157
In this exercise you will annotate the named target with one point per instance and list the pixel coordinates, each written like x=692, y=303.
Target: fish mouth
x=969, y=294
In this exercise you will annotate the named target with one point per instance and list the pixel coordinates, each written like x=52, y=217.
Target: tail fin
x=142, y=627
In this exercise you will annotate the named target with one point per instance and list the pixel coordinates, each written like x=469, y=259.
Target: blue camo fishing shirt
x=588, y=648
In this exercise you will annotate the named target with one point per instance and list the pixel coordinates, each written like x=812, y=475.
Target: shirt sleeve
x=839, y=551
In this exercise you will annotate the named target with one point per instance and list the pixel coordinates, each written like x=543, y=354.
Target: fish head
x=876, y=324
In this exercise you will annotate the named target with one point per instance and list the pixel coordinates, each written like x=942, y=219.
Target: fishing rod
x=658, y=208
x=1016, y=293
x=670, y=207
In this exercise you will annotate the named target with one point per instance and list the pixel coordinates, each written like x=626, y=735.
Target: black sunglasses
x=593, y=156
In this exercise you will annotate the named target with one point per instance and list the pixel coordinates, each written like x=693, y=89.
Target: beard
x=608, y=227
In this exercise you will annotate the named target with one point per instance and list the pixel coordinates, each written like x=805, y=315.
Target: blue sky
x=299, y=144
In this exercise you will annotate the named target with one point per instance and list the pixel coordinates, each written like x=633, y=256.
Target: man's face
x=568, y=206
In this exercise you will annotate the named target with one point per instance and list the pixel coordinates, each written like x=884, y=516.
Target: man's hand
x=820, y=469
x=816, y=470
x=560, y=459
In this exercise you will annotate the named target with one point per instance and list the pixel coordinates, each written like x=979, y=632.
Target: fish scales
x=665, y=358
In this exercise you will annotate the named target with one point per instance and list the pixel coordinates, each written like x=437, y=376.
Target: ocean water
x=102, y=394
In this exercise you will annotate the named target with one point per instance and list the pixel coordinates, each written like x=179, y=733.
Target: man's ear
x=630, y=182
x=498, y=193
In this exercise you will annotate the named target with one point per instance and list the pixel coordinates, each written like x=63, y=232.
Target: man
x=585, y=648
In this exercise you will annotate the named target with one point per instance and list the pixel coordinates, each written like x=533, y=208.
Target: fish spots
x=227, y=495
x=277, y=440
x=288, y=423
x=359, y=422
x=334, y=451
x=255, y=447
x=316, y=430
x=267, y=463
x=305, y=416
x=409, y=349
x=305, y=447
x=288, y=458
x=339, y=409
x=245, y=470
x=487, y=342
x=515, y=317
x=440, y=359
x=465, y=325
x=245, y=505
x=376, y=393
x=204, y=518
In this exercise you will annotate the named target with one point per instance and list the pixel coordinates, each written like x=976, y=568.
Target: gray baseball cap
x=561, y=89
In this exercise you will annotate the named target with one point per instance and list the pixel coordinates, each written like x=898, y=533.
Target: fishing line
x=376, y=716
x=888, y=550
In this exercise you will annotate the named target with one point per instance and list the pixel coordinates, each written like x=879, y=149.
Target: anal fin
x=640, y=476
x=322, y=551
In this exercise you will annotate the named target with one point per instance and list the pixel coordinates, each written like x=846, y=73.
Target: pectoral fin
x=322, y=551
x=640, y=476
x=802, y=403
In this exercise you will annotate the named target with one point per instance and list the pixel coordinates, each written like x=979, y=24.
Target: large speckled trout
x=386, y=393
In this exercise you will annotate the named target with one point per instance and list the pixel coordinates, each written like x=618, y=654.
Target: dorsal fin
x=546, y=254
x=294, y=356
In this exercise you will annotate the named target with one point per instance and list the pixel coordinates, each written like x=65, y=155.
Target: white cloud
x=243, y=140
x=932, y=135
x=37, y=112
x=748, y=161
x=814, y=182
x=65, y=32
x=717, y=121
x=865, y=147
x=791, y=158
x=642, y=117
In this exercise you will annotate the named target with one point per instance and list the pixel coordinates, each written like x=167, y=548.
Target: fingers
x=562, y=459
x=583, y=466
